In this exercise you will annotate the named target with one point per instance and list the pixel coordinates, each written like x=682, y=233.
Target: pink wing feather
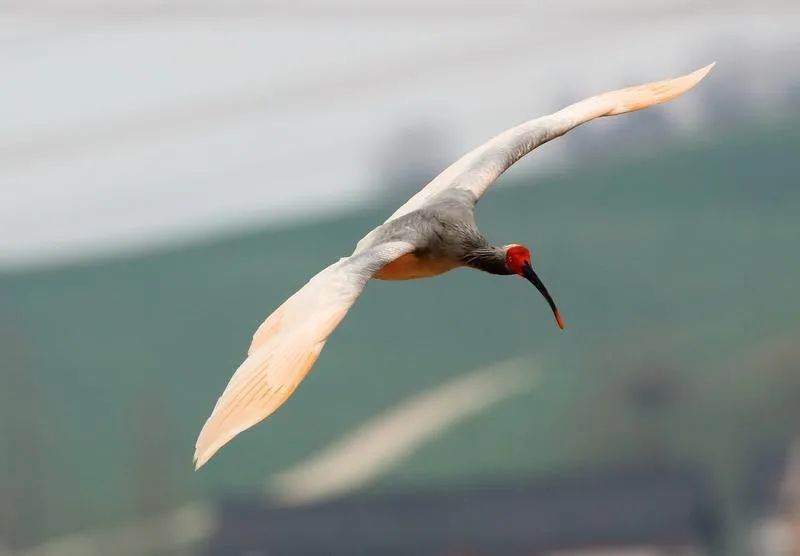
x=287, y=345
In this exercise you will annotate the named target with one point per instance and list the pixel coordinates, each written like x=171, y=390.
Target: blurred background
x=171, y=170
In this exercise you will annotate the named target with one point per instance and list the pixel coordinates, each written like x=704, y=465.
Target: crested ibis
x=432, y=233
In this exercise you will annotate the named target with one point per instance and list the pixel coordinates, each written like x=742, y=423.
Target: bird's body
x=433, y=233
x=444, y=235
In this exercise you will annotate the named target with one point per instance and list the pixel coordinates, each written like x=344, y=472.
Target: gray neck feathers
x=491, y=259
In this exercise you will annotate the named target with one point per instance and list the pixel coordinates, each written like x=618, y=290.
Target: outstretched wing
x=477, y=170
x=287, y=344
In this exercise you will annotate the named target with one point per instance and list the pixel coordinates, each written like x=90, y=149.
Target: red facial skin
x=516, y=257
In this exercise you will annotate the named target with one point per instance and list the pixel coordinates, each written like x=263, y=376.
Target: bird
x=432, y=233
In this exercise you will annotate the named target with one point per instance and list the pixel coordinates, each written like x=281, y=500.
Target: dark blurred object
x=660, y=511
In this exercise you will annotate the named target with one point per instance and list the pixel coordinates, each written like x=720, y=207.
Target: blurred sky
x=127, y=124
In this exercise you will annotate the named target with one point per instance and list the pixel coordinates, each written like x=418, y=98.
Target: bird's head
x=518, y=261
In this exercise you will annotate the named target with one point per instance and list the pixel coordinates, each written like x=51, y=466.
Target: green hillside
x=678, y=273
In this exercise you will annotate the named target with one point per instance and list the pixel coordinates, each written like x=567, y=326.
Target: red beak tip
x=559, y=321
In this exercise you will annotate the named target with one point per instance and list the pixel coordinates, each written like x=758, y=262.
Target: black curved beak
x=527, y=272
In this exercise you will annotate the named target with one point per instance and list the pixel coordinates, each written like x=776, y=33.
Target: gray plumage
x=444, y=229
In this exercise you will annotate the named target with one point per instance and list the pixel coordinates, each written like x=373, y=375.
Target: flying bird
x=432, y=233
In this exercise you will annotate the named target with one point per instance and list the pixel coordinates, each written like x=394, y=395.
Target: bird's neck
x=489, y=258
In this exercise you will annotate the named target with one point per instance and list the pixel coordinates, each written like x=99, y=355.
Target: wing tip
x=210, y=440
x=685, y=83
x=213, y=437
x=699, y=74
x=202, y=452
x=199, y=461
x=647, y=95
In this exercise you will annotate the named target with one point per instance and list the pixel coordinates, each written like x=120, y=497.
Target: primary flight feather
x=432, y=233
